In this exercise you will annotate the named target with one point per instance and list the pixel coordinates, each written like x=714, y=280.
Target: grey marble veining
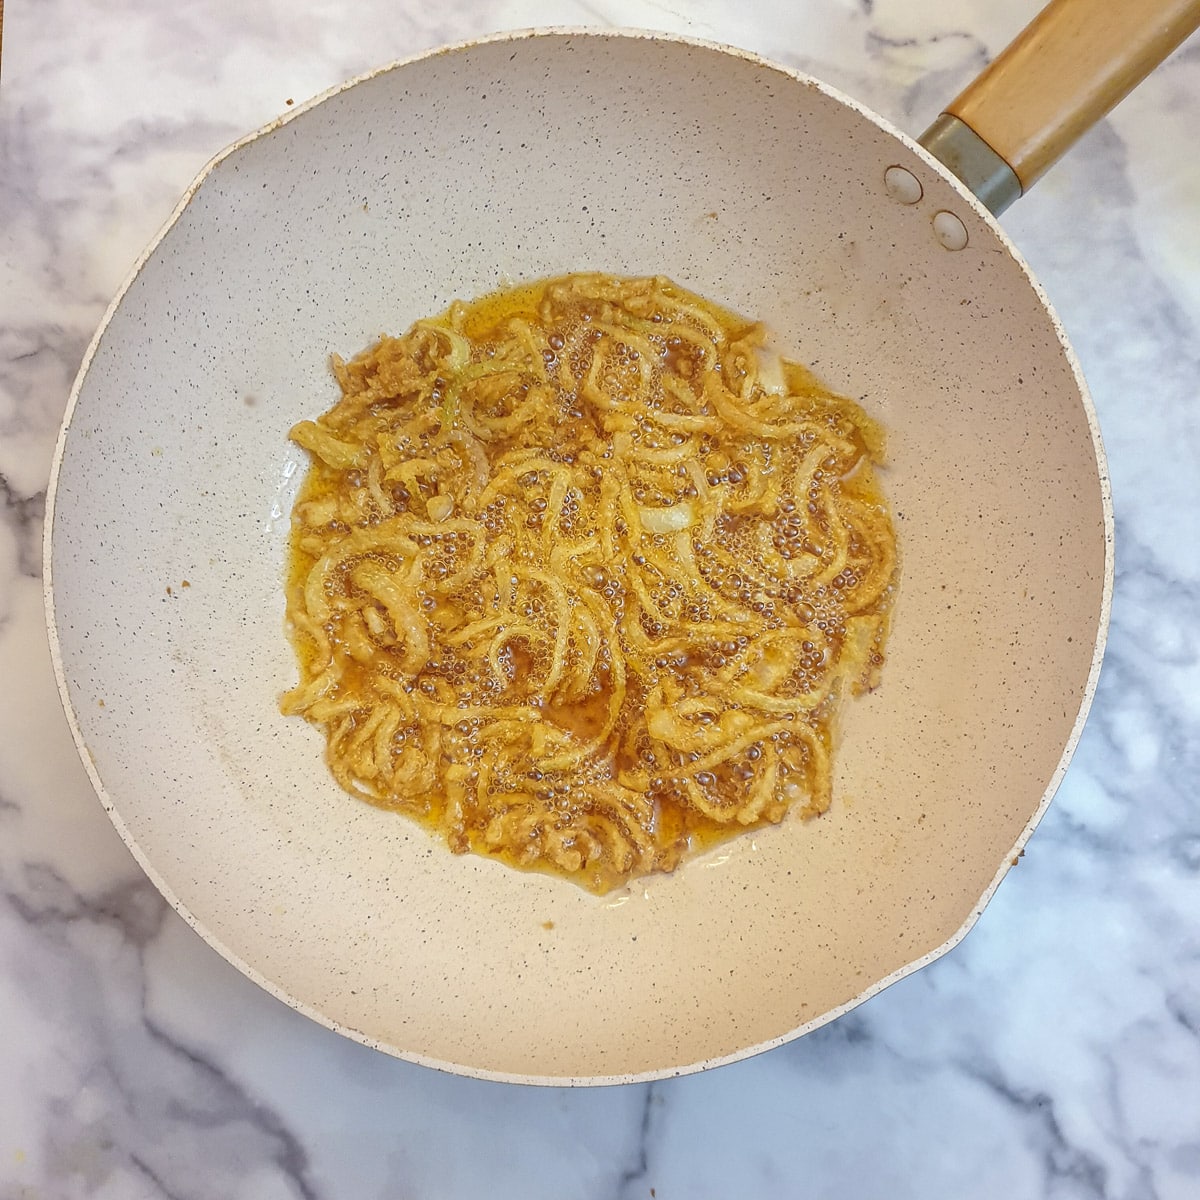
x=1055, y=1053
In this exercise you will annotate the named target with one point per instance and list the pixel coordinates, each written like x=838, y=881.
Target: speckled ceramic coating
x=512, y=159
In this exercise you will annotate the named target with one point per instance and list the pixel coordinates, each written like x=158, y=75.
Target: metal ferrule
x=963, y=151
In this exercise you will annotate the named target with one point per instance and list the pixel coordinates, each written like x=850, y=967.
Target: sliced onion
x=770, y=372
x=460, y=348
x=319, y=441
x=439, y=507
x=671, y=519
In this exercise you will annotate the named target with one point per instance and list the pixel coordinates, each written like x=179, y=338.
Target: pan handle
x=1064, y=71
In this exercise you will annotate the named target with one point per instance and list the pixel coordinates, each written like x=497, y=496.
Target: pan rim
x=484, y=1073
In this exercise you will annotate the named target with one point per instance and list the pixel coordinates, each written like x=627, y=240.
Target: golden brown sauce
x=580, y=574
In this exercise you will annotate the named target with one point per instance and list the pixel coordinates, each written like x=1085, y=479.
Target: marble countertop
x=1055, y=1053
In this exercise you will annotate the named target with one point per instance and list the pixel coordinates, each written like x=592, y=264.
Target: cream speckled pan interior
x=511, y=159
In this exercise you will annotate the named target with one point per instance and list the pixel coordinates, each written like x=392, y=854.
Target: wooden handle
x=1065, y=70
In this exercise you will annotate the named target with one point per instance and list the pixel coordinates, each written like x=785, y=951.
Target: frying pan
x=523, y=156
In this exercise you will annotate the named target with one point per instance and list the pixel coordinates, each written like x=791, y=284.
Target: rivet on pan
x=903, y=186
x=949, y=230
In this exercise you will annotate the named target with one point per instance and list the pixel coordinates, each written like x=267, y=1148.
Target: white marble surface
x=1055, y=1053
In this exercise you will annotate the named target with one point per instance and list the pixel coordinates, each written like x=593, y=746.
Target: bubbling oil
x=580, y=574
